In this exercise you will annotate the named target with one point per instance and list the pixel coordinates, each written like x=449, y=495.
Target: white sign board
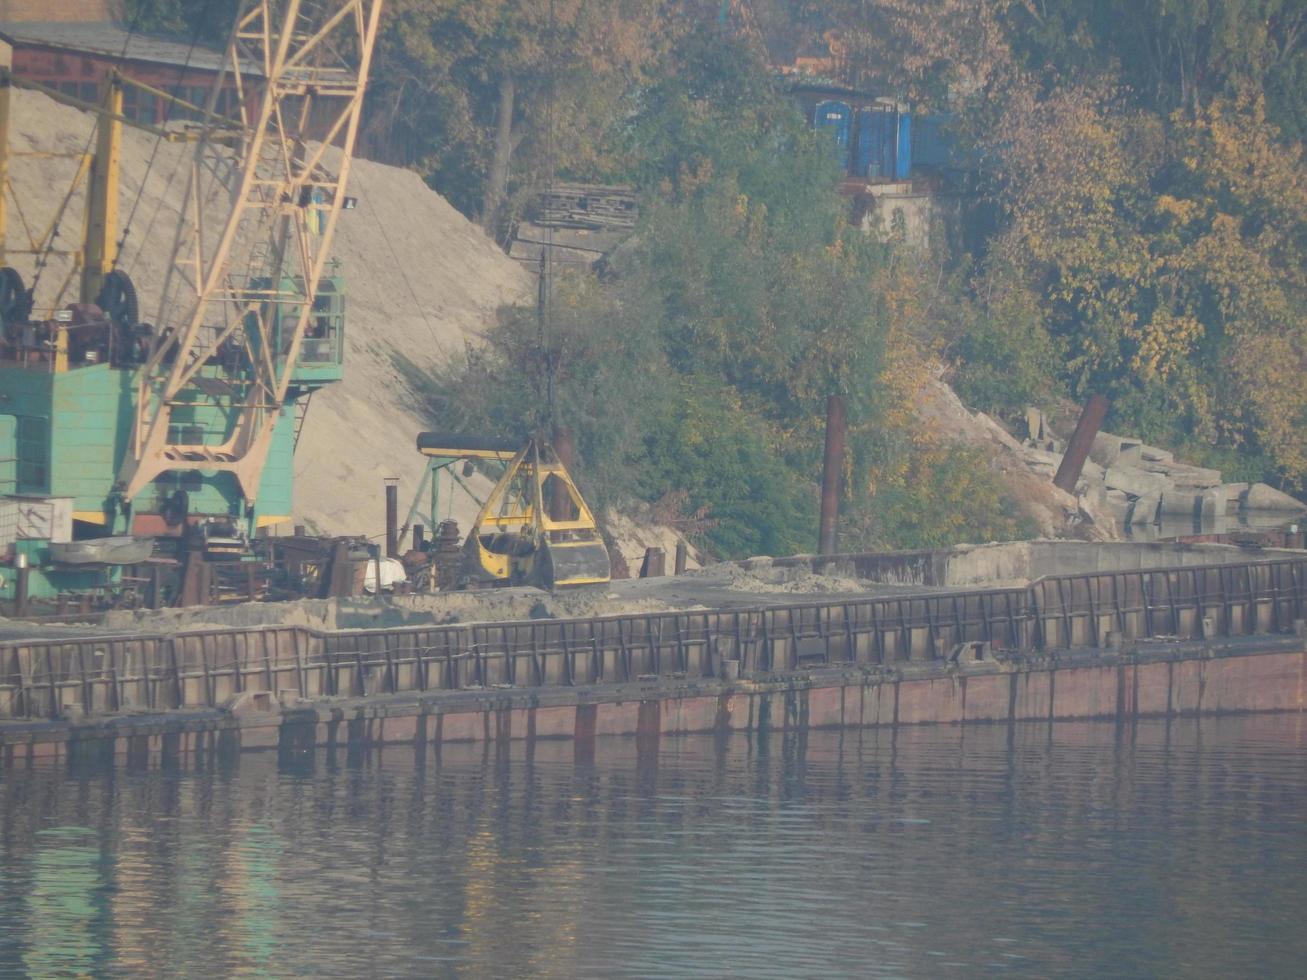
x=45, y=519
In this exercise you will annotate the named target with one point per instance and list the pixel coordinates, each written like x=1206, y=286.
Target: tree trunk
x=492, y=201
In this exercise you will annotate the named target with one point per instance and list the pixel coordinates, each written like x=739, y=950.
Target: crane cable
x=43, y=260
x=544, y=300
x=171, y=104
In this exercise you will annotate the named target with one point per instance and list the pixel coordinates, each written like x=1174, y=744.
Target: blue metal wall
x=837, y=119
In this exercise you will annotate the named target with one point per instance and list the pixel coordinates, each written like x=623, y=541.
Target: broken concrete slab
x=1134, y=481
x=1145, y=508
x=1142, y=455
x=1233, y=494
x=1192, y=477
x=1117, y=500
x=1107, y=448
x=1261, y=497
x=1211, y=504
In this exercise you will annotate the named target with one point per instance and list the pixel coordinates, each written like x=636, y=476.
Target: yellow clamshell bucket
x=535, y=529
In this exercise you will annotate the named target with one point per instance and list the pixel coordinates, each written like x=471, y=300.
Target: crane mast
x=220, y=343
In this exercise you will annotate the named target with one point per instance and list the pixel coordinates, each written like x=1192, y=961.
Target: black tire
x=175, y=508
x=117, y=298
x=15, y=300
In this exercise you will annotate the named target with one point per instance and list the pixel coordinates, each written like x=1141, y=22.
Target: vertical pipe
x=832, y=470
x=682, y=553
x=20, y=587
x=1082, y=440
x=6, y=63
x=419, y=537
x=392, y=517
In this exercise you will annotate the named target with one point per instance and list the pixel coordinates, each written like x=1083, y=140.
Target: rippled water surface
x=1074, y=850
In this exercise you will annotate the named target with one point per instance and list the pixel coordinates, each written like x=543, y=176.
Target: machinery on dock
x=534, y=527
x=183, y=428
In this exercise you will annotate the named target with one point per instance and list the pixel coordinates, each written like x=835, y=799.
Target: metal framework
x=292, y=62
x=1054, y=615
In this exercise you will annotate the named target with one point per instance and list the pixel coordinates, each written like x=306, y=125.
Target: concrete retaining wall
x=1017, y=563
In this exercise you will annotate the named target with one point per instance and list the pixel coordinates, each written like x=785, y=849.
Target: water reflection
x=1069, y=850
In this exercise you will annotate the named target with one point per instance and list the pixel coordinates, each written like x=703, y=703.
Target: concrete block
x=1211, y=504
x=1233, y=495
x=1179, y=503
x=1092, y=472
x=1132, y=453
x=1142, y=455
x=1106, y=449
x=1262, y=497
x=1035, y=425
x=1117, y=501
x=1134, y=481
x=1145, y=508
x=1192, y=477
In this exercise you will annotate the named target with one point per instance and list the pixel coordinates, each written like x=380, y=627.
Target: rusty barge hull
x=1116, y=646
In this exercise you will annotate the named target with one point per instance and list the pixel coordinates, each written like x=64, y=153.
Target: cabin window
x=33, y=454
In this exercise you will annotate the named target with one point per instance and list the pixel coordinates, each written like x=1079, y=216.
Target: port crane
x=313, y=60
x=129, y=428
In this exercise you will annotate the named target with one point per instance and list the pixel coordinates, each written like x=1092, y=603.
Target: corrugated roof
x=113, y=41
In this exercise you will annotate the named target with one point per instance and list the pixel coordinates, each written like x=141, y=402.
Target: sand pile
x=421, y=282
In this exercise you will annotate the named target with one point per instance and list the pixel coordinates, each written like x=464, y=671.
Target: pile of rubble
x=1143, y=486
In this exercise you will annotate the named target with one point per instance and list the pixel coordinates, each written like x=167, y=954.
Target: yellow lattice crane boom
x=292, y=63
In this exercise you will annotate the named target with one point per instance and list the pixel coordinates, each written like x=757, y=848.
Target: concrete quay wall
x=1153, y=680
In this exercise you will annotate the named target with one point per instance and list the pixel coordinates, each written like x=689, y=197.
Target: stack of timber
x=577, y=223
x=594, y=206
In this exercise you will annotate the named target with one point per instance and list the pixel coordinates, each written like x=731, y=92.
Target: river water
x=1068, y=850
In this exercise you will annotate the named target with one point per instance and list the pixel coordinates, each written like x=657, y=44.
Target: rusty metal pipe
x=1082, y=440
x=392, y=520
x=832, y=471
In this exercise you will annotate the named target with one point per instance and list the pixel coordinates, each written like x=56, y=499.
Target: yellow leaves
x=1182, y=211
x=1164, y=342
x=1266, y=371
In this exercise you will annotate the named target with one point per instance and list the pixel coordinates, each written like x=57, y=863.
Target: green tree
x=207, y=20
x=702, y=366
x=476, y=91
